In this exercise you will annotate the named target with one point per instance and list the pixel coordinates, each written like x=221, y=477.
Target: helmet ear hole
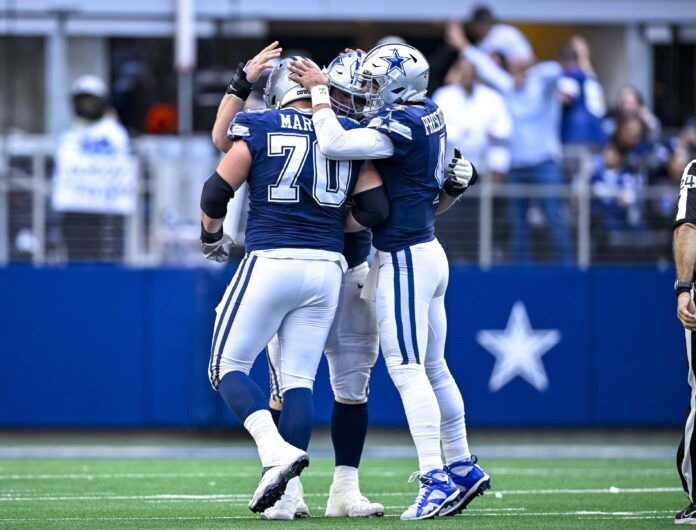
x=273, y=101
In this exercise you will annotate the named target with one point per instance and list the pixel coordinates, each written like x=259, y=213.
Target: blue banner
x=542, y=346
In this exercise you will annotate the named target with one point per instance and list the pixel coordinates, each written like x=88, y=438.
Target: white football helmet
x=279, y=89
x=341, y=73
x=392, y=73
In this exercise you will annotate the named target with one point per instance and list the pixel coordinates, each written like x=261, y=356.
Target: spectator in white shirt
x=479, y=124
x=477, y=120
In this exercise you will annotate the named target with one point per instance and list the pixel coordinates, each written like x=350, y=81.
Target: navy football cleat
x=471, y=481
x=275, y=481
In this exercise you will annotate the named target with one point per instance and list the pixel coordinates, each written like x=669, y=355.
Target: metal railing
x=164, y=227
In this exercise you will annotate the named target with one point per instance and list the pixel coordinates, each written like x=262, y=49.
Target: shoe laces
x=423, y=489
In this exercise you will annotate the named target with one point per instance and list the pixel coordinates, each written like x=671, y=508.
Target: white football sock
x=346, y=478
x=268, y=440
x=422, y=412
x=452, y=425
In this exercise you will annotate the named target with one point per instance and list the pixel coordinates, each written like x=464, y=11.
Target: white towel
x=369, y=291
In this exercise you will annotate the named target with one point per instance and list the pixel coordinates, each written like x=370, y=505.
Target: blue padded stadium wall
x=111, y=346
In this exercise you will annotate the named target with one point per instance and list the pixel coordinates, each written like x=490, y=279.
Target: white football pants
x=295, y=298
x=352, y=346
x=412, y=322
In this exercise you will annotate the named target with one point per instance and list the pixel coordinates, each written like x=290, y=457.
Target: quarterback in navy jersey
x=406, y=137
x=289, y=281
x=353, y=343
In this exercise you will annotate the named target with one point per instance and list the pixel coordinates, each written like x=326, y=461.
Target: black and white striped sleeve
x=686, y=207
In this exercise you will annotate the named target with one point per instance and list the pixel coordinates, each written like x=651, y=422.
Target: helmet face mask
x=345, y=99
x=346, y=103
x=370, y=88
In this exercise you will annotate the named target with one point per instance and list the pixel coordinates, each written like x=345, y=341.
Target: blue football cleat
x=436, y=492
x=471, y=481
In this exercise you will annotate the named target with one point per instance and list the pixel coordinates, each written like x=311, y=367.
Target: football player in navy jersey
x=353, y=343
x=406, y=137
x=289, y=281
x=351, y=350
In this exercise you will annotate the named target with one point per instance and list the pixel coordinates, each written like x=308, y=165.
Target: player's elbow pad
x=371, y=207
x=215, y=196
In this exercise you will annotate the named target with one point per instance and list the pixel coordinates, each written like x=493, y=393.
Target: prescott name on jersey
x=413, y=175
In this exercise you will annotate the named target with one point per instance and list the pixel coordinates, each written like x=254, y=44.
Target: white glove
x=460, y=175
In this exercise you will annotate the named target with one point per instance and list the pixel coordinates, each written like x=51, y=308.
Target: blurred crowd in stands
x=523, y=123
x=528, y=122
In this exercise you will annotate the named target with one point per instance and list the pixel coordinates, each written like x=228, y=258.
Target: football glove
x=216, y=246
x=460, y=175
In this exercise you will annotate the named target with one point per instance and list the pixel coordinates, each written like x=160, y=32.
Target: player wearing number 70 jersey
x=406, y=137
x=289, y=280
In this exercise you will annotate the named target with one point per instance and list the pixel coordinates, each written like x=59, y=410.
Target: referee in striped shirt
x=685, y=260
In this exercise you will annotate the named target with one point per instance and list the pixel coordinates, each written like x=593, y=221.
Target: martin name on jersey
x=291, y=181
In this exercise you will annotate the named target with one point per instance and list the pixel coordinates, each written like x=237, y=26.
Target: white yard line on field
x=245, y=473
x=593, y=515
x=580, y=451
x=244, y=496
x=202, y=474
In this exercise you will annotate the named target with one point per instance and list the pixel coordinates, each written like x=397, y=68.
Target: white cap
x=89, y=85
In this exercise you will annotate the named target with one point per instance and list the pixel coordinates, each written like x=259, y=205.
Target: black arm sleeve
x=215, y=196
x=371, y=207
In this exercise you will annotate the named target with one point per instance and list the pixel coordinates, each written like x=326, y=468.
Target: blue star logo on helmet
x=396, y=61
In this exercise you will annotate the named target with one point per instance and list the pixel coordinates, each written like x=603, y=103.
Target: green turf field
x=213, y=493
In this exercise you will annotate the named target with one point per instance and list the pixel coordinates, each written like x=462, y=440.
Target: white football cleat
x=275, y=479
x=345, y=500
x=287, y=507
x=351, y=504
x=302, y=510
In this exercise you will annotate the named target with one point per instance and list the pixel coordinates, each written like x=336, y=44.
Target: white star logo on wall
x=518, y=350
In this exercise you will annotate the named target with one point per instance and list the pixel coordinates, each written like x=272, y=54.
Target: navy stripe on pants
x=240, y=273
x=235, y=308
x=412, y=303
x=397, y=309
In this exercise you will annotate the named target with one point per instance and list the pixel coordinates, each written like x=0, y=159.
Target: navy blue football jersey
x=413, y=175
x=297, y=197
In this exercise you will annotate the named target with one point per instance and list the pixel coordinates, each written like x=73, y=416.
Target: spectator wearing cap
x=88, y=233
